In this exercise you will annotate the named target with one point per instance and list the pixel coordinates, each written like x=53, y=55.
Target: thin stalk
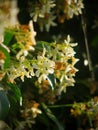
x=86, y=45
x=58, y=106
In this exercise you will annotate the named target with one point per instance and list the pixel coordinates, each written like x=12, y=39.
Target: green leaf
x=40, y=44
x=7, y=56
x=52, y=117
x=8, y=37
x=16, y=92
x=52, y=80
x=43, y=119
x=4, y=104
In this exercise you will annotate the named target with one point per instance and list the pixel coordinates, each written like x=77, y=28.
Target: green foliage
x=52, y=80
x=4, y=105
x=8, y=35
x=16, y=93
x=52, y=117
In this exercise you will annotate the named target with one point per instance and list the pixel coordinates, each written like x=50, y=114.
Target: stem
x=58, y=106
x=86, y=45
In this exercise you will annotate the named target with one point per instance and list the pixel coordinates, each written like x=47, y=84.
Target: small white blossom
x=35, y=111
x=43, y=66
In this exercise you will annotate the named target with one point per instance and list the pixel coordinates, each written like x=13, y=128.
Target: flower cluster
x=90, y=109
x=29, y=113
x=69, y=8
x=51, y=64
x=48, y=67
x=58, y=60
x=31, y=109
x=42, y=13
x=45, y=12
x=25, y=37
x=63, y=55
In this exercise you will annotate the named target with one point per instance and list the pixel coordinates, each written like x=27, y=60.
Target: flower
x=63, y=55
x=43, y=67
x=35, y=112
x=74, y=7
x=31, y=109
x=21, y=69
x=50, y=22
x=42, y=10
x=69, y=8
x=43, y=14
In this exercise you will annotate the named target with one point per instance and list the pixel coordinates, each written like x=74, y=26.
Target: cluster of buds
x=89, y=108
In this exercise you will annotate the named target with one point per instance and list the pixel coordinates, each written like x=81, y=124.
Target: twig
x=86, y=45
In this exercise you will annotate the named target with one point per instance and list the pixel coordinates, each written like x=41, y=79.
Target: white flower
x=14, y=73
x=50, y=22
x=68, y=42
x=35, y=111
x=20, y=70
x=43, y=67
x=21, y=53
x=73, y=7
x=40, y=12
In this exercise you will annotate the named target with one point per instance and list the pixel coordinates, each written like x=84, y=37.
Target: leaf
x=8, y=37
x=52, y=80
x=43, y=119
x=7, y=56
x=40, y=44
x=16, y=92
x=4, y=104
x=52, y=117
